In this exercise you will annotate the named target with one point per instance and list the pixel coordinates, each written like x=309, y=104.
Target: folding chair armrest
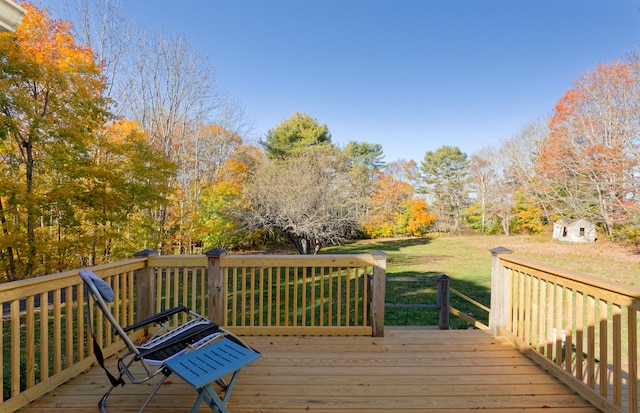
x=161, y=317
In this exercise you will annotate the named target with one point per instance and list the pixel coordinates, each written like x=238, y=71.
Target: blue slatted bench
x=202, y=367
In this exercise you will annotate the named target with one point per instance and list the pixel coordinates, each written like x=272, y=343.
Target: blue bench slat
x=203, y=366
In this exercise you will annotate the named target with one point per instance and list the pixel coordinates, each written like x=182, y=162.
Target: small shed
x=574, y=230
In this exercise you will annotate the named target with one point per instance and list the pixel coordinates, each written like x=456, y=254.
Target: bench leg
x=209, y=395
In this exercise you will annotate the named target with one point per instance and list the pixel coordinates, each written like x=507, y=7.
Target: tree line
x=118, y=139
x=580, y=161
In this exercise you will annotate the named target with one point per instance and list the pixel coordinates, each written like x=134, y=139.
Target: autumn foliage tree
x=588, y=166
x=50, y=102
x=396, y=212
x=221, y=205
x=73, y=182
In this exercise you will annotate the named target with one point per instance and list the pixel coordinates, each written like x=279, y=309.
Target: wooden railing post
x=443, y=301
x=378, y=293
x=145, y=287
x=500, y=292
x=215, y=286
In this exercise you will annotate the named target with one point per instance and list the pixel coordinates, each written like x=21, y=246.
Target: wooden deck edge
x=576, y=385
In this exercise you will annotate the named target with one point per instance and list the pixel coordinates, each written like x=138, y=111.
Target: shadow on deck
x=407, y=370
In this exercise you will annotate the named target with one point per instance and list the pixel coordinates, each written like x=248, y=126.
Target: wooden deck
x=406, y=371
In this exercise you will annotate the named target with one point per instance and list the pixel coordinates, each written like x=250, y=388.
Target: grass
x=467, y=260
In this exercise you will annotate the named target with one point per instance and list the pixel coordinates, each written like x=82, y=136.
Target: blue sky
x=411, y=75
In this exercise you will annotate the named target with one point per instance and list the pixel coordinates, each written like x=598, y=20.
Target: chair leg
x=103, y=400
x=166, y=373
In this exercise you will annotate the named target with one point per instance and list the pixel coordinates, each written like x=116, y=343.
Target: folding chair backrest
x=102, y=293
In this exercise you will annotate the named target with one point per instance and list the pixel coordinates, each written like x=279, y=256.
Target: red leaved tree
x=589, y=161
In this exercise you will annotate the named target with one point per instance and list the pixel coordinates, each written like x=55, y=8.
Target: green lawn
x=467, y=260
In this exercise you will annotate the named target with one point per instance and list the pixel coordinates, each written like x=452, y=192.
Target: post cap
x=501, y=250
x=215, y=252
x=145, y=253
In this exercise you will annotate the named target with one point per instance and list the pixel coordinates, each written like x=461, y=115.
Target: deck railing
x=45, y=339
x=45, y=333
x=581, y=329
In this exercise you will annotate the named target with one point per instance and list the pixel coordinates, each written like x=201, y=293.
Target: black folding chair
x=168, y=344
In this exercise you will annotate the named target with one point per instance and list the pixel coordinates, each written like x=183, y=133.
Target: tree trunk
x=31, y=215
x=505, y=225
x=11, y=265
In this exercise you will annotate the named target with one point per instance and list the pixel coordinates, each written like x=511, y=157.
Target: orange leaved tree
x=589, y=162
x=50, y=102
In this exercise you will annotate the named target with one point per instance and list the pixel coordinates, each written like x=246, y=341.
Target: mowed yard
x=467, y=261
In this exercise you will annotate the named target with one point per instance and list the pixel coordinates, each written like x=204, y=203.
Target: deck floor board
x=405, y=371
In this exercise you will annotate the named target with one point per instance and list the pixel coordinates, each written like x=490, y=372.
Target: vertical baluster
x=260, y=297
x=303, y=294
x=356, y=295
x=124, y=299
x=550, y=309
x=234, y=296
x=542, y=334
x=132, y=299
x=69, y=333
x=160, y=286
x=278, y=295
x=513, y=315
x=527, y=310
x=568, y=343
x=365, y=297
x=520, y=299
x=270, y=272
x=252, y=297
x=632, y=338
x=30, y=342
x=244, y=297
x=193, y=284
x=323, y=278
x=591, y=339
x=535, y=312
x=186, y=275
x=203, y=291
x=330, y=296
x=81, y=321
x=294, y=304
x=44, y=336
x=175, y=293
x=347, y=298
x=579, y=335
x=339, y=296
x=15, y=347
x=312, y=315
x=604, y=348
x=57, y=331
x=558, y=313
x=616, y=345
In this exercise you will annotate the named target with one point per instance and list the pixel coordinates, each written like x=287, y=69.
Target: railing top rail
x=177, y=261
x=262, y=260
x=297, y=260
x=553, y=273
x=24, y=288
